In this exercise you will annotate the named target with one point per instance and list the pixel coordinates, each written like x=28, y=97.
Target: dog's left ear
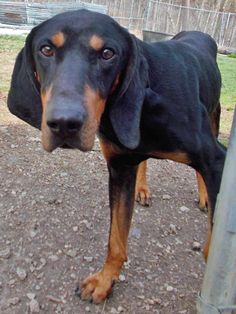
x=126, y=107
x=24, y=95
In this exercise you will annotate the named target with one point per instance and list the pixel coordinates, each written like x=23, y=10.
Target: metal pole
x=218, y=293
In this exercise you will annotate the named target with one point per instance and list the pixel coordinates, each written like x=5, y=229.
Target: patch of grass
x=11, y=43
x=224, y=141
x=9, y=47
x=228, y=71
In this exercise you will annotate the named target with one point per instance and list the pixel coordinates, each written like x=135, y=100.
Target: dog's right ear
x=24, y=96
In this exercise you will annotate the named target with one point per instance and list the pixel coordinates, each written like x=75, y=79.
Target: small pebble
x=12, y=282
x=21, y=273
x=87, y=224
x=88, y=259
x=195, y=275
x=120, y=309
x=33, y=233
x=32, y=268
x=13, y=301
x=184, y=209
x=34, y=306
x=169, y=288
x=173, y=229
x=166, y=197
x=53, y=258
x=63, y=174
x=34, y=139
x=157, y=301
x=135, y=232
x=71, y=253
x=73, y=276
x=196, y=246
x=122, y=278
x=30, y=295
x=5, y=253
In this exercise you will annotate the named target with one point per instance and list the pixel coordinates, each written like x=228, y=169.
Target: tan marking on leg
x=209, y=233
x=96, y=42
x=58, y=39
x=202, y=192
x=118, y=238
x=142, y=191
x=99, y=285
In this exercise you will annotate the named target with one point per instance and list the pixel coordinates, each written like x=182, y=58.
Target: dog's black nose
x=65, y=127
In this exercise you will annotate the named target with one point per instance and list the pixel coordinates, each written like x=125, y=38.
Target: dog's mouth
x=83, y=141
x=72, y=144
x=67, y=146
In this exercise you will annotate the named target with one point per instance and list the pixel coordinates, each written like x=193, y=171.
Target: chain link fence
x=168, y=18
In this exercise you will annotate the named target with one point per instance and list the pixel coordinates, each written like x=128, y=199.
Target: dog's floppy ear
x=126, y=107
x=24, y=96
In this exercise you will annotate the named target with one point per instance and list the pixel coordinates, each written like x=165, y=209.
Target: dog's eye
x=47, y=51
x=107, y=53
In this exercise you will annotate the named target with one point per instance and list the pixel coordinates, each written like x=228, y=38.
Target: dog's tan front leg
x=121, y=192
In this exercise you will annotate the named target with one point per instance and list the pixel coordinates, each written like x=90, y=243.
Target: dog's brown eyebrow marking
x=96, y=42
x=58, y=39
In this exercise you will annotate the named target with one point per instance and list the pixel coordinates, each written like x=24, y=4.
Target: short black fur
x=162, y=101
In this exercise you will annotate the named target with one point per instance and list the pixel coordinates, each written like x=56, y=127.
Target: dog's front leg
x=121, y=193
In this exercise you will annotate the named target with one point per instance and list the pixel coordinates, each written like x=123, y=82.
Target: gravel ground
x=54, y=222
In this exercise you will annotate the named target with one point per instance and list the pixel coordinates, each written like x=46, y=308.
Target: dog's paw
x=143, y=195
x=95, y=288
x=202, y=204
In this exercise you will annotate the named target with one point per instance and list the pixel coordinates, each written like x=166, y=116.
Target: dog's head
x=71, y=68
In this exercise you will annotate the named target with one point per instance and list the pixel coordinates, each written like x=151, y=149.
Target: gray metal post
x=218, y=293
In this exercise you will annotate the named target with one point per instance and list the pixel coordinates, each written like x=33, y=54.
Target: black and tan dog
x=81, y=73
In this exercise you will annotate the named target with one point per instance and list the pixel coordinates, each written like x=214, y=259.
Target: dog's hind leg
x=142, y=191
x=211, y=172
x=215, y=127
x=202, y=192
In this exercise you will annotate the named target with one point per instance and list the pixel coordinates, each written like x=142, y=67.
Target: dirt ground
x=54, y=222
